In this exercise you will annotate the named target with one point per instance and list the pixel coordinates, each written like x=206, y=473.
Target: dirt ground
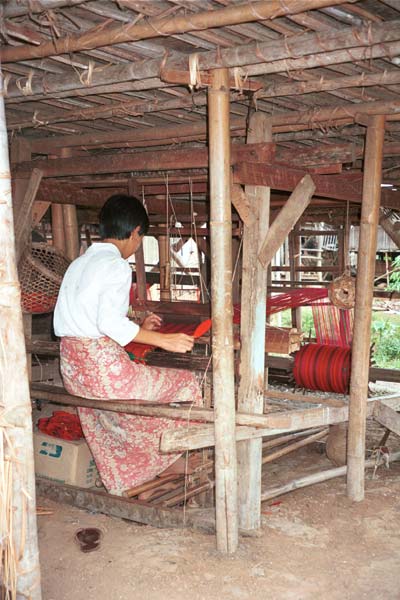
x=314, y=543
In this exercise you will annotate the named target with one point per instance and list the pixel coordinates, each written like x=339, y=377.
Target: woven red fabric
x=61, y=424
x=140, y=351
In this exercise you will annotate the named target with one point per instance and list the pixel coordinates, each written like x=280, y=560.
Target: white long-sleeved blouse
x=94, y=297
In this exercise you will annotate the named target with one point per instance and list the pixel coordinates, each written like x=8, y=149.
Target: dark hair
x=120, y=215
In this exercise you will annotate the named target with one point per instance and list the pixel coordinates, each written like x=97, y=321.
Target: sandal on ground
x=88, y=538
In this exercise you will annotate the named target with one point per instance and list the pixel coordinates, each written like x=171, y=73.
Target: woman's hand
x=152, y=322
x=176, y=342
x=173, y=342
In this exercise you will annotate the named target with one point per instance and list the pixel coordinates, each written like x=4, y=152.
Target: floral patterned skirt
x=125, y=447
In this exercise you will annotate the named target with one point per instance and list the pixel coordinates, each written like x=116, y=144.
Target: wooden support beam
x=387, y=416
x=23, y=218
x=319, y=154
x=386, y=223
x=296, y=420
x=287, y=218
x=166, y=25
x=162, y=160
x=340, y=187
x=242, y=203
x=203, y=436
x=132, y=137
x=252, y=334
x=363, y=307
x=222, y=314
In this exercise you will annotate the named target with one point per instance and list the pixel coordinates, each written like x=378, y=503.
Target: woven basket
x=40, y=271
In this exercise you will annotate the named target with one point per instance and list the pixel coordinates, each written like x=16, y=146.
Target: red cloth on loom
x=140, y=351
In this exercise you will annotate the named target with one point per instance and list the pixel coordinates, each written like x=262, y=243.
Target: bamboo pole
x=296, y=484
x=166, y=25
x=304, y=51
x=363, y=307
x=16, y=407
x=252, y=333
x=222, y=314
x=295, y=446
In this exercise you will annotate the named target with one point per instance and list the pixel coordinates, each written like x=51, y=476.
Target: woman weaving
x=91, y=319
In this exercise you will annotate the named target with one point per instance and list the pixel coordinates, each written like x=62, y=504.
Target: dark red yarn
x=323, y=367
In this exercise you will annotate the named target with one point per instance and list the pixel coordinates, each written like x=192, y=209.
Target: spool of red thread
x=323, y=367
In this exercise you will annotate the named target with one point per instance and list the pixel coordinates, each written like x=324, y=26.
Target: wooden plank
x=287, y=218
x=339, y=187
x=125, y=508
x=319, y=154
x=203, y=436
x=252, y=334
x=387, y=416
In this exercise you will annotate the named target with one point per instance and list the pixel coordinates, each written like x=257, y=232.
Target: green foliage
x=394, y=280
x=385, y=335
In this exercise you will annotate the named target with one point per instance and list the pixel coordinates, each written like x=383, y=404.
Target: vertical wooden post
x=342, y=258
x=252, y=333
x=140, y=268
x=363, y=306
x=21, y=151
x=222, y=312
x=294, y=261
x=71, y=231
x=15, y=400
x=70, y=218
x=165, y=268
x=57, y=227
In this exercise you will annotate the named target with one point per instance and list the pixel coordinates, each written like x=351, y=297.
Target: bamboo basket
x=40, y=271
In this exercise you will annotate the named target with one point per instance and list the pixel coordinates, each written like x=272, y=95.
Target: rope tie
x=25, y=89
x=86, y=77
x=194, y=71
x=6, y=81
x=240, y=78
